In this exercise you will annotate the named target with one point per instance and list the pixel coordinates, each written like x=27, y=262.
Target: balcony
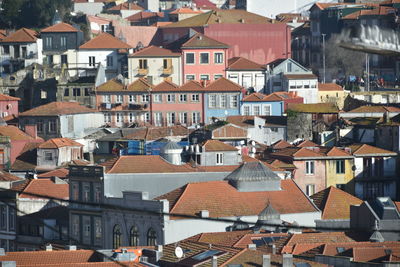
x=143, y=72
x=137, y=106
x=167, y=71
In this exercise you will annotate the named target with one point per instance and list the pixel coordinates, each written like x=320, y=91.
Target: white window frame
x=132, y=99
x=256, y=110
x=110, y=61
x=194, y=58
x=131, y=117
x=171, y=118
x=246, y=110
x=208, y=57
x=234, y=101
x=202, y=76
x=308, y=191
x=157, y=98
x=195, y=117
x=145, y=98
x=215, y=58
x=219, y=158
x=195, y=97
x=107, y=117
x=310, y=167
x=190, y=75
x=183, y=98
x=171, y=98
x=119, y=99
x=92, y=61
x=265, y=113
x=158, y=118
x=223, y=101
x=183, y=118
x=119, y=117
x=217, y=76
x=212, y=101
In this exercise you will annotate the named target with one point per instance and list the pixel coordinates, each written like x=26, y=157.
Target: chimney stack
x=251, y=246
x=49, y=247
x=287, y=260
x=266, y=261
x=214, y=261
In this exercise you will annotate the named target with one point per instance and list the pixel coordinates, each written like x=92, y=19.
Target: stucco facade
x=313, y=181
x=338, y=177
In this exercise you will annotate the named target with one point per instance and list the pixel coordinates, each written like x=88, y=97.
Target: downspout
x=203, y=110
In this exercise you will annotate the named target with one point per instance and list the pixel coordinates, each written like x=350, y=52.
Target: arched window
x=151, y=237
x=117, y=236
x=134, y=237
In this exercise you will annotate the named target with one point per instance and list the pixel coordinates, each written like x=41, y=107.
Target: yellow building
x=332, y=93
x=339, y=170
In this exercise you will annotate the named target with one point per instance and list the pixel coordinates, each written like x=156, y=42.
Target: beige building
x=332, y=93
x=377, y=97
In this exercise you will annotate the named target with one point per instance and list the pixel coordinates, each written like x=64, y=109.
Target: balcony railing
x=167, y=71
x=142, y=71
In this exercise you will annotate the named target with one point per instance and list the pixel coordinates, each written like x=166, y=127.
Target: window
x=171, y=98
x=256, y=110
x=87, y=91
x=157, y=98
x=97, y=194
x=378, y=166
x=151, y=237
x=134, y=236
x=76, y=92
x=204, y=77
x=11, y=216
x=182, y=98
x=190, y=77
x=131, y=117
x=167, y=63
x=267, y=110
x=119, y=117
x=48, y=156
x=66, y=92
x=340, y=166
x=142, y=64
x=86, y=228
x=52, y=126
x=183, y=118
x=217, y=76
x=147, y=117
x=309, y=167
x=49, y=42
x=63, y=42
x=204, y=58
x=132, y=98
x=107, y=98
x=107, y=117
x=189, y=58
x=75, y=191
x=158, y=119
x=110, y=61
x=218, y=58
x=3, y=217
x=289, y=67
x=234, y=101
x=170, y=118
x=220, y=158
x=196, y=117
x=145, y=98
x=64, y=60
x=39, y=126
x=86, y=193
x=212, y=101
x=117, y=236
x=97, y=228
x=92, y=61
x=310, y=189
x=222, y=101
x=43, y=94
x=118, y=99
x=246, y=110
x=195, y=98
x=75, y=226
x=6, y=49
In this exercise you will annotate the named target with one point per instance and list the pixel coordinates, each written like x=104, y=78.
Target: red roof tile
x=61, y=27
x=377, y=11
x=45, y=188
x=199, y=40
x=307, y=143
x=185, y=10
x=222, y=85
x=105, y=41
x=191, y=86
x=229, y=131
x=60, y=173
x=240, y=63
x=329, y=87
x=23, y=35
x=364, y=149
x=165, y=86
x=59, y=142
x=223, y=200
x=15, y=133
x=215, y=145
x=155, y=51
x=126, y=6
x=281, y=144
x=375, y=109
x=334, y=203
x=8, y=98
x=8, y=177
x=144, y=15
x=255, y=97
x=57, y=108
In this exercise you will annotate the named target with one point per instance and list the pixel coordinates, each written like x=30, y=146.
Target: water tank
x=172, y=152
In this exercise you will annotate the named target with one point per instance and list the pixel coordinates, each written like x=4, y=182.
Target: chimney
x=8, y=264
x=2, y=252
x=252, y=247
x=241, y=20
x=31, y=130
x=204, y=214
x=273, y=249
x=70, y=247
x=266, y=261
x=49, y=247
x=214, y=261
x=287, y=260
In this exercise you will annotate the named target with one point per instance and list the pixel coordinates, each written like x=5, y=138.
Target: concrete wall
x=218, y=111
x=100, y=57
x=89, y=8
x=74, y=126
x=310, y=95
x=333, y=178
x=318, y=179
x=229, y=158
x=275, y=108
x=247, y=79
x=299, y=126
x=387, y=137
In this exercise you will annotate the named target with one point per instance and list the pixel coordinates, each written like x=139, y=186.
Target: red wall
x=11, y=107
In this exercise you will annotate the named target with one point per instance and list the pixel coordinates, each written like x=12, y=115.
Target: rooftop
x=374, y=109
x=14, y=133
x=43, y=189
x=326, y=108
x=23, y=35
x=126, y=6
x=61, y=27
x=215, y=145
x=59, y=142
x=154, y=51
x=223, y=85
x=329, y=87
x=240, y=63
x=365, y=150
x=58, y=108
x=105, y=41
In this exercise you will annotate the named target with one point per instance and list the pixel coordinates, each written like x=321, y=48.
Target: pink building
x=172, y=104
x=8, y=106
x=203, y=58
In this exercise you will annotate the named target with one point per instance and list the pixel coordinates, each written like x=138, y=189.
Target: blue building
x=221, y=99
x=258, y=104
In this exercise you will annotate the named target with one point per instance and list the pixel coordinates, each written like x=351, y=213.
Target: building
x=57, y=152
x=61, y=119
x=145, y=18
x=156, y=64
x=19, y=50
x=125, y=9
x=8, y=106
x=289, y=76
x=173, y=104
x=203, y=58
x=257, y=104
x=124, y=105
x=183, y=13
x=221, y=99
x=247, y=73
x=332, y=93
x=106, y=50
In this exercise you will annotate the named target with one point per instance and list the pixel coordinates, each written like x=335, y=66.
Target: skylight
x=206, y=254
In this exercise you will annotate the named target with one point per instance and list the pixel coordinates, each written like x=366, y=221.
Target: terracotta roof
x=156, y=164
x=283, y=165
x=254, y=97
x=240, y=63
x=57, y=108
x=229, y=16
x=329, y=87
x=223, y=200
x=14, y=133
x=140, y=85
x=8, y=177
x=8, y=98
x=337, y=152
x=229, y=131
x=365, y=150
x=112, y=85
x=297, y=153
x=376, y=11
x=43, y=189
x=191, y=86
x=105, y=41
x=222, y=85
x=314, y=108
x=307, y=143
x=61, y=27
x=27, y=159
x=126, y=6
x=23, y=35
x=242, y=121
x=373, y=109
x=215, y=145
x=165, y=86
x=144, y=15
x=281, y=144
x=59, y=142
x=60, y=173
x=154, y=51
x=334, y=203
x=155, y=133
x=185, y=10
x=397, y=203
x=199, y=40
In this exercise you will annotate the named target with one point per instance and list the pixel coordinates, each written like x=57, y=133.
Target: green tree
x=10, y=14
x=40, y=13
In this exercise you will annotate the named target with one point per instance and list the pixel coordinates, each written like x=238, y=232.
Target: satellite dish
x=178, y=252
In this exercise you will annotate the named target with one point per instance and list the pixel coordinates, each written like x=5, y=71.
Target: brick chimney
x=31, y=130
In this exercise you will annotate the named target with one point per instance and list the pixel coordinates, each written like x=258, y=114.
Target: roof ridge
x=185, y=187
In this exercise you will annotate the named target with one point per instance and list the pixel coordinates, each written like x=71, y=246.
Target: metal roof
x=252, y=171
